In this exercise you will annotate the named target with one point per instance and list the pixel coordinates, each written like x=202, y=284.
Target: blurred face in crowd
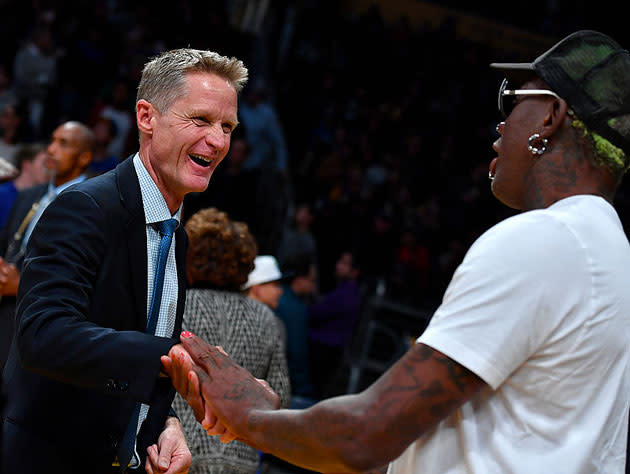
x=238, y=153
x=186, y=143
x=36, y=168
x=267, y=293
x=305, y=285
x=344, y=270
x=68, y=155
x=9, y=120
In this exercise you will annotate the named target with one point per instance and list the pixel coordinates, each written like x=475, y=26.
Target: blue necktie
x=166, y=229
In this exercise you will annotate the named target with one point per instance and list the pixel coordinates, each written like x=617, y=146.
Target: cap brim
x=516, y=73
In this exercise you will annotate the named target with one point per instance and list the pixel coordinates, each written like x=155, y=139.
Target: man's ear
x=145, y=112
x=555, y=117
x=85, y=158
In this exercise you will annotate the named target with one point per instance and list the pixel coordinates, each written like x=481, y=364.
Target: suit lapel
x=131, y=199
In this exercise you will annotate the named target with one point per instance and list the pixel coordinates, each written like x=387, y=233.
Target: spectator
x=7, y=96
x=67, y=156
x=292, y=309
x=298, y=238
x=13, y=130
x=263, y=282
x=104, y=131
x=118, y=110
x=263, y=131
x=331, y=322
x=30, y=160
x=35, y=70
x=220, y=256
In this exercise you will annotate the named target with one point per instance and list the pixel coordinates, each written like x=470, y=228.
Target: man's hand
x=171, y=454
x=9, y=278
x=186, y=383
x=229, y=391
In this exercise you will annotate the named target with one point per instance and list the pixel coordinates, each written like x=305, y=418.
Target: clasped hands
x=222, y=394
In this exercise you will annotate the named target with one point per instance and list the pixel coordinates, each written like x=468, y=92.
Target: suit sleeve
x=55, y=336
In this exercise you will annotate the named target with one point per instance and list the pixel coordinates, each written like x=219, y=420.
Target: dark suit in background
x=21, y=206
x=81, y=358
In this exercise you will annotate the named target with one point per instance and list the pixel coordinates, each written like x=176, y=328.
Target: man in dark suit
x=83, y=376
x=68, y=155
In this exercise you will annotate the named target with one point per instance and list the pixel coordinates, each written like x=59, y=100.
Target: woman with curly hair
x=220, y=256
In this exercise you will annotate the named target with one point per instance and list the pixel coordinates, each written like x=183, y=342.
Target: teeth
x=204, y=158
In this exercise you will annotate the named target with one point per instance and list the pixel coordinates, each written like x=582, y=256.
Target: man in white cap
x=263, y=282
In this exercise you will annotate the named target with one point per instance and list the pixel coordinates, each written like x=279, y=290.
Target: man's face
x=269, y=293
x=189, y=140
x=344, y=270
x=513, y=165
x=65, y=153
x=38, y=170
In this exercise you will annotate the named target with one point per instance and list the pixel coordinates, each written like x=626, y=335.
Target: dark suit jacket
x=81, y=359
x=22, y=204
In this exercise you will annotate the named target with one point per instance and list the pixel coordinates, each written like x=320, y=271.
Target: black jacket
x=81, y=358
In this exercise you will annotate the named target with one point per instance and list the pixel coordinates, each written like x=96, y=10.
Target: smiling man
x=102, y=287
x=525, y=366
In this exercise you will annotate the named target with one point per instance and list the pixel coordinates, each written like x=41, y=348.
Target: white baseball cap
x=265, y=270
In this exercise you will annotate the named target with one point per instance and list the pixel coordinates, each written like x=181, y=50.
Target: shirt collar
x=61, y=187
x=155, y=207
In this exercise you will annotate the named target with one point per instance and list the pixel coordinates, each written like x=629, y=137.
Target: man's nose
x=216, y=137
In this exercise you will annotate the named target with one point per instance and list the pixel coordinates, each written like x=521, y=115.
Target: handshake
x=223, y=396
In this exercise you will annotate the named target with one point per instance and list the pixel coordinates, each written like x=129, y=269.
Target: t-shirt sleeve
x=512, y=289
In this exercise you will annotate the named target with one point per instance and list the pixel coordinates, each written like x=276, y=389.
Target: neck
x=564, y=173
x=173, y=201
x=59, y=180
x=23, y=181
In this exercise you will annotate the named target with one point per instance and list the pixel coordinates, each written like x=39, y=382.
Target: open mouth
x=201, y=160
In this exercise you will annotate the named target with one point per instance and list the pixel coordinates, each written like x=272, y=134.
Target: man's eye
x=227, y=128
x=199, y=121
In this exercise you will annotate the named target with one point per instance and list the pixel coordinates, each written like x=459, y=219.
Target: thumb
x=164, y=459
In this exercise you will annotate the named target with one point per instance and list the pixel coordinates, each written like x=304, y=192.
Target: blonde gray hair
x=163, y=77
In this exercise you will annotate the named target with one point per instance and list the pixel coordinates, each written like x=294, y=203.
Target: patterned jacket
x=253, y=336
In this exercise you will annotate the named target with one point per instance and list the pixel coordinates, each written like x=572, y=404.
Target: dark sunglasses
x=507, y=97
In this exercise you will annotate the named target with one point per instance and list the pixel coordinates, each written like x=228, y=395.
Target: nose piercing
x=490, y=176
x=499, y=127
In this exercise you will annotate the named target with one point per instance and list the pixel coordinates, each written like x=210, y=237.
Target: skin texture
x=334, y=435
x=200, y=123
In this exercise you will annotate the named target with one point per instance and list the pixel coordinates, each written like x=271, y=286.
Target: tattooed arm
x=352, y=433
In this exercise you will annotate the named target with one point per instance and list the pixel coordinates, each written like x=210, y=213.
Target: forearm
x=335, y=435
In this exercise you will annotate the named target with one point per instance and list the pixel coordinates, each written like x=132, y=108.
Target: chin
x=198, y=185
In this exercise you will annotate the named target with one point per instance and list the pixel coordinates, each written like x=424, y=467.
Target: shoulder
x=110, y=191
x=530, y=235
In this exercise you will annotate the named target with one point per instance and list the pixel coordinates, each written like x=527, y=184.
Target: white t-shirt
x=540, y=310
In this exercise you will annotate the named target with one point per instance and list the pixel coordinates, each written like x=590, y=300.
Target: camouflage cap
x=591, y=71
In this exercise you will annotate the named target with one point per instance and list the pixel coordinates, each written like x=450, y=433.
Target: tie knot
x=166, y=227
